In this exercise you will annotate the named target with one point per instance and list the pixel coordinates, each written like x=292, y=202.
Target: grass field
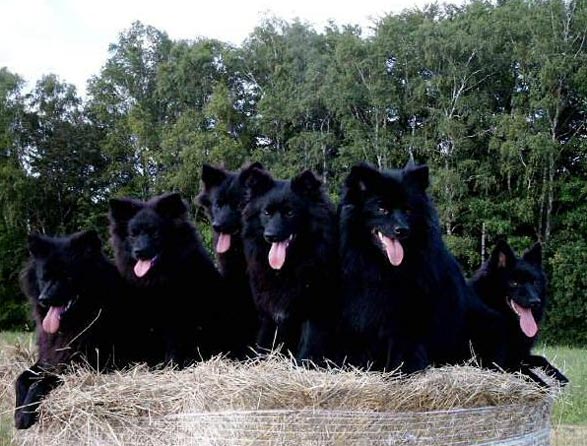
x=7, y=342
x=570, y=413
x=569, y=418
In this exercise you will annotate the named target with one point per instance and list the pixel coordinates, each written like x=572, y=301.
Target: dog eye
x=266, y=212
x=151, y=232
x=383, y=210
x=514, y=283
x=289, y=213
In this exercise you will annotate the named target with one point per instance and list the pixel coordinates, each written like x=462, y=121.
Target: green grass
x=571, y=408
x=7, y=341
x=5, y=429
x=569, y=418
x=10, y=338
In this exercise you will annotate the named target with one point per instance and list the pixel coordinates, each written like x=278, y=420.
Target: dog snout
x=401, y=231
x=140, y=253
x=272, y=237
x=534, y=301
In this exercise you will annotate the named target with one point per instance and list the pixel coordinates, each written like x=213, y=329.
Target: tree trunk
x=541, y=211
x=483, y=236
x=550, y=199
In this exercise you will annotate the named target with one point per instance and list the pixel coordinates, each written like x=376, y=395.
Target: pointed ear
x=123, y=209
x=203, y=200
x=419, y=175
x=171, y=205
x=502, y=256
x=256, y=165
x=38, y=245
x=534, y=254
x=245, y=172
x=88, y=241
x=306, y=184
x=361, y=177
x=212, y=176
x=257, y=182
x=410, y=164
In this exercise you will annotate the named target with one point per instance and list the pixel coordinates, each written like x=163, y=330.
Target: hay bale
x=13, y=360
x=273, y=402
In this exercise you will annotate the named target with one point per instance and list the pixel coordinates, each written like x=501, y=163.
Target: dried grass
x=272, y=401
x=13, y=360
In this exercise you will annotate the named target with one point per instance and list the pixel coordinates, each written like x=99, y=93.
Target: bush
x=567, y=310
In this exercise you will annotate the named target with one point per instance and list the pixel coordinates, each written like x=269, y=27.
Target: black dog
x=290, y=246
x=405, y=298
x=223, y=198
x=74, y=291
x=178, y=298
x=515, y=287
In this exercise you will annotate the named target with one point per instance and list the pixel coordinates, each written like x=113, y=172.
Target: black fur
x=411, y=314
x=506, y=281
x=70, y=274
x=177, y=304
x=297, y=298
x=223, y=198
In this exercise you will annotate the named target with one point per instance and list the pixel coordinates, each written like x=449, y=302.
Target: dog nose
x=534, y=301
x=401, y=231
x=140, y=253
x=43, y=299
x=271, y=237
x=216, y=227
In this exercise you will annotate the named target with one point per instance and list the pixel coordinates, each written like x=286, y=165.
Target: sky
x=70, y=38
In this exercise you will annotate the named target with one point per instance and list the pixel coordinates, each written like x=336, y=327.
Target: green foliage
x=491, y=95
x=13, y=213
x=568, y=309
x=464, y=249
x=571, y=406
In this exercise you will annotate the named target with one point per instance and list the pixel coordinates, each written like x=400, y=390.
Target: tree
x=62, y=158
x=124, y=103
x=14, y=192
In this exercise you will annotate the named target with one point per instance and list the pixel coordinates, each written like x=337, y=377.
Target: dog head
x=57, y=277
x=281, y=210
x=519, y=284
x=223, y=198
x=145, y=229
x=393, y=206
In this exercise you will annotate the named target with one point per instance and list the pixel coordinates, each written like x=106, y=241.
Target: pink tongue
x=394, y=249
x=142, y=267
x=223, y=243
x=527, y=322
x=277, y=254
x=52, y=319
